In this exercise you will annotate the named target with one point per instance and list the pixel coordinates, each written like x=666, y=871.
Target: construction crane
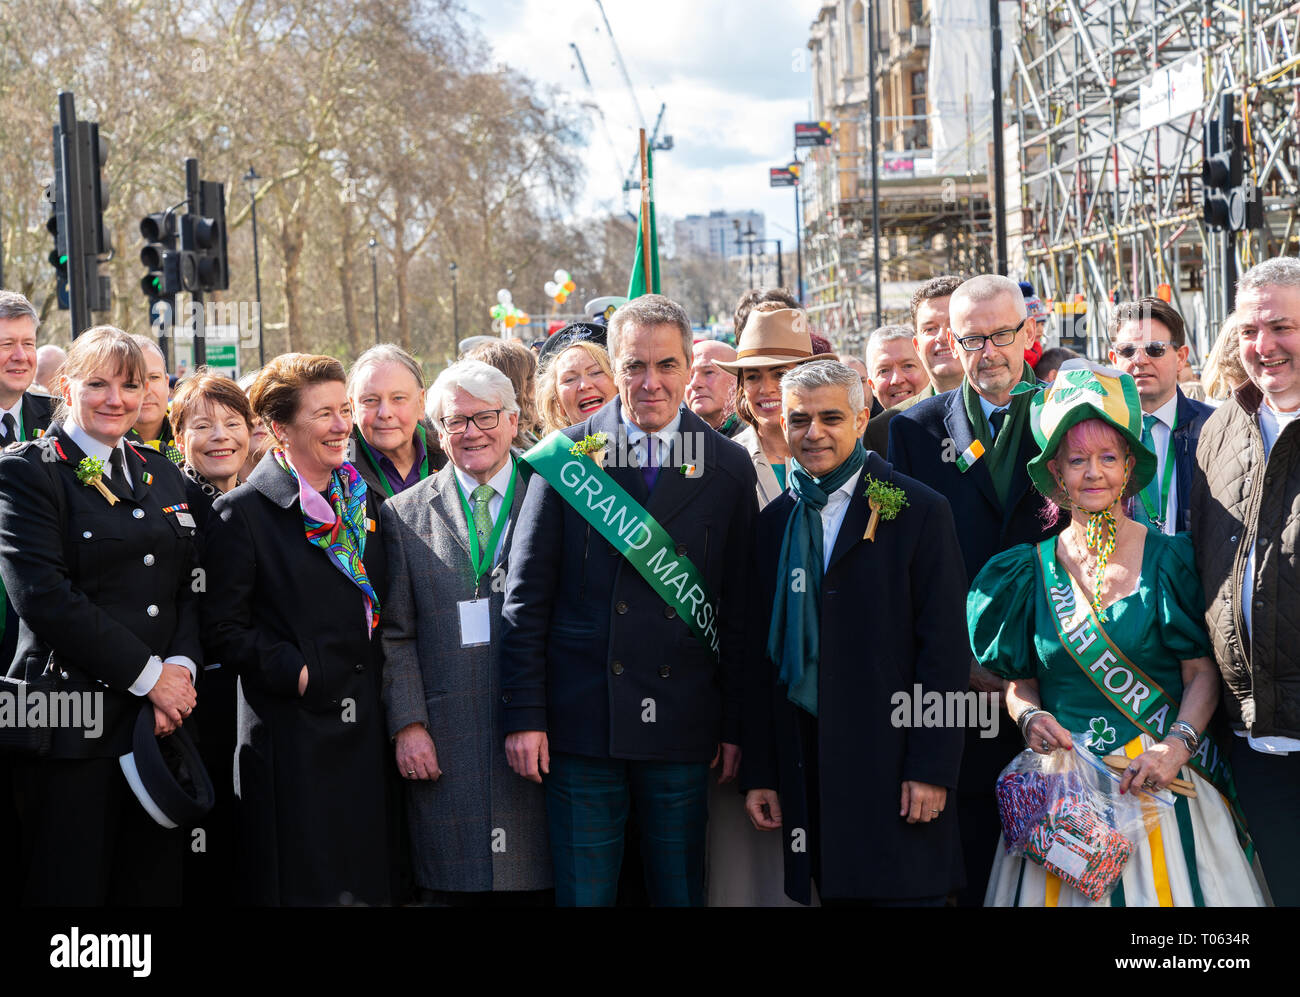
x=633, y=179
x=595, y=103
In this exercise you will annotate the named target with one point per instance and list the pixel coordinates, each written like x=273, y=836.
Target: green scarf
x=1000, y=454
x=794, y=635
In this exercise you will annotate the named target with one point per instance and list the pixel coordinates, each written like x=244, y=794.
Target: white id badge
x=475, y=625
x=185, y=519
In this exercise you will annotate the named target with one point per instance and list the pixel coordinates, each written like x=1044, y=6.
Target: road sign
x=812, y=133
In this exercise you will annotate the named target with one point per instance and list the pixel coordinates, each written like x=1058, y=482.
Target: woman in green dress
x=1100, y=631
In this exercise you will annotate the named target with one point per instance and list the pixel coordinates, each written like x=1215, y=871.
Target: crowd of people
x=625, y=618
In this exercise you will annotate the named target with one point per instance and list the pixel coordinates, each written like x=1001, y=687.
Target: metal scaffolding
x=1110, y=209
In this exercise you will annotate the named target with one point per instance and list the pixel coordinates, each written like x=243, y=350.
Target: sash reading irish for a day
x=632, y=531
x=1128, y=688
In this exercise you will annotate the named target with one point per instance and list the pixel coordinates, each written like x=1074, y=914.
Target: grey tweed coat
x=479, y=827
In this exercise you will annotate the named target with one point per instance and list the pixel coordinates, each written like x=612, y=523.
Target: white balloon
x=504, y=296
x=551, y=288
x=561, y=276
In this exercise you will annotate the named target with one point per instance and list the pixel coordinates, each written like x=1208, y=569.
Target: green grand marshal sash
x=632, y=531
x=1126, y=686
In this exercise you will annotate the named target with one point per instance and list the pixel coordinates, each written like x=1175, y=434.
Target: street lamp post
x=455, y=309
x=374, y=281
x=251, y=178
x=750, y=236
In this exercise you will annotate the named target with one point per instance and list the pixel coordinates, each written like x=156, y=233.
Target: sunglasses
x=1155, y=349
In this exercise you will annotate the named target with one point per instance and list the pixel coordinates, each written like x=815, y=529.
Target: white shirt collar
x=845, y=490
x=90, y=446
x=499, y=481
x=16, y=410
x=1167, y=412
x=635, y=432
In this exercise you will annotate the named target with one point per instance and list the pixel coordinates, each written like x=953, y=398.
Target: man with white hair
x=49, y=358
x=1244, y=523
x=971, y=445
x=625, y=618
x=478, y=832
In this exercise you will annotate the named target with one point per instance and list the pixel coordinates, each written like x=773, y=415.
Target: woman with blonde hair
x=98, y=557
x=573, y=385
x=1223, y=373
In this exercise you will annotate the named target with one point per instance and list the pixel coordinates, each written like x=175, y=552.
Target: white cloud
x=725, y=69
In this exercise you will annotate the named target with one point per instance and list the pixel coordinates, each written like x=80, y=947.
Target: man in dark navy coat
x=1149, y=341
x=608, y=694
x=859, y=791
x=971, y=445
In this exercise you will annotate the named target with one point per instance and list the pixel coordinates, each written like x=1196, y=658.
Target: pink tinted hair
x=1089, y=436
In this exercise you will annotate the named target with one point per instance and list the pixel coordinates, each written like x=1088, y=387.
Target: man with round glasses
x=1148, y=341
x=971, y=445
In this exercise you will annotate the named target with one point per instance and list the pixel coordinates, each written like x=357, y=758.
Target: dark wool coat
x=311, y=774
x=892, y=616
x=587, y=640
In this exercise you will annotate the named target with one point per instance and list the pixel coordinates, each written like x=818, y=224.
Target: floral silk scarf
x=343, y=535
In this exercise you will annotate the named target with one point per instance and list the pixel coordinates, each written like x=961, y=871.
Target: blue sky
x=728, y=71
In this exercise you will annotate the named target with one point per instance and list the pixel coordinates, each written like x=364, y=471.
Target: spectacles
x=1003, y=337
x=485, y=420
x=1155, y=349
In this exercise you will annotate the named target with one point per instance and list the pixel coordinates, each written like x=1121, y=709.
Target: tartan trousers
x=587, y=804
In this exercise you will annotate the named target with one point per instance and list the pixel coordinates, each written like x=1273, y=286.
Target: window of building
x=918, y=82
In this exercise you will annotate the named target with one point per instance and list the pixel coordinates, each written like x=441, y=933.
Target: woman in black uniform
x=296, y=577
x=97, y=555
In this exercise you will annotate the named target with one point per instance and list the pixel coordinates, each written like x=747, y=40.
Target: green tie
x=482, y=518
x=1148, y=441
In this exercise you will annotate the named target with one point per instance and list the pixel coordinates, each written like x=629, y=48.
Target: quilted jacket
x=1239, y=499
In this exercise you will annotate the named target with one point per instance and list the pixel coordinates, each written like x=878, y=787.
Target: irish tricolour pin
x=967, y=458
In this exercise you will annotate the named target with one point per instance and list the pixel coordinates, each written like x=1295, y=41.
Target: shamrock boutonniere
x=592, y=445
x=885, y=500
x=91, y=472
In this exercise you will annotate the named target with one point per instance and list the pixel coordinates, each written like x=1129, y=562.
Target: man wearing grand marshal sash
x=624, y=620
x=860, y=794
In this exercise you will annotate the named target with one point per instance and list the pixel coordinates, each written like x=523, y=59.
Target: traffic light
x=162, y=278
x=1231, y=200
x=91, y=151
x=57, y=227
x=79, y=195
x=203, y=262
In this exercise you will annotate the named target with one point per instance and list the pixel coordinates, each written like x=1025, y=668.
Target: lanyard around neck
x=1157, y=515
x=374, y=461
x=480, y=562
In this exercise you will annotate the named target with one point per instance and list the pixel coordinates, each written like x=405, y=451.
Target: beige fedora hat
x=771, y=339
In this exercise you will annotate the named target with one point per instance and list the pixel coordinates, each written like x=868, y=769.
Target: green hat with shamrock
x=1086, y=390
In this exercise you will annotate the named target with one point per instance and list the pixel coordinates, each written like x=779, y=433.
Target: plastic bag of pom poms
x=1025, y=789
x=1088, y=831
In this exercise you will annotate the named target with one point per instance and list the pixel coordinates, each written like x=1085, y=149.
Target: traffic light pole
x=78, y=292
x=196, y=295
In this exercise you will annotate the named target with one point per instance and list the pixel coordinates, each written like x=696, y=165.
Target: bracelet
x=1023, y=720
x=1186, y=733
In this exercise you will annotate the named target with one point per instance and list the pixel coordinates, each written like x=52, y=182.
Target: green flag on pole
x=647, y=238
